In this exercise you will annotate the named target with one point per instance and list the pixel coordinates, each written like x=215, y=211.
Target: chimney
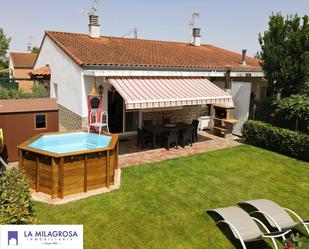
x=94, y=26
x=197, y=37
x=244, y=60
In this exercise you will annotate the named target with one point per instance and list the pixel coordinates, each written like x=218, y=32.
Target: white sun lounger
x=243, y=226
x=277, y=216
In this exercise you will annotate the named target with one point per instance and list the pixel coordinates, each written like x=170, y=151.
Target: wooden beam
x=107, y=169
x=37, y=187
x=61, y=174
x=21, y=159
x=85, y=174
x=116, y=153
x=54, y=179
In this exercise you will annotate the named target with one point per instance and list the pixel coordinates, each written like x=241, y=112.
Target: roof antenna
x=93, y=9
x=132, y=31
x=29, y=44
x=192, y=23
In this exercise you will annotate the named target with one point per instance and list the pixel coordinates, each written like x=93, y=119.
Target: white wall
x=64, y=72
x=88, y=84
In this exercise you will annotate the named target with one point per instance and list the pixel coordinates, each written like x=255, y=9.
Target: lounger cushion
x=280, y=216
x=243, y=223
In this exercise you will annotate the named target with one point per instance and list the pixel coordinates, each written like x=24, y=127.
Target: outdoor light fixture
x=100, y=89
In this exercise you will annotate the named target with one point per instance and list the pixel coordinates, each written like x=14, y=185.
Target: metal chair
x=172, y=138
x=166, y=121
x=147, y=122
x=186, y=136
x=194, y=123
x=142, y=137
x=98, y=124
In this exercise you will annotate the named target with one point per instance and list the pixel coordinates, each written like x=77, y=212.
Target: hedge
x=15, y=198
x=276, y=139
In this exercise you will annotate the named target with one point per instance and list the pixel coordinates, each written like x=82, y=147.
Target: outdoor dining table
x=163, y=128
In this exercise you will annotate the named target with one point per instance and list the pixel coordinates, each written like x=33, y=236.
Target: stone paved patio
x=130, y=154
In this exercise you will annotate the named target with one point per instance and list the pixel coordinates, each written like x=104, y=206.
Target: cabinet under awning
x=147, y=93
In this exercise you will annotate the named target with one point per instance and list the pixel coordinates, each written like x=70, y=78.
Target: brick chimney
x=94, y=26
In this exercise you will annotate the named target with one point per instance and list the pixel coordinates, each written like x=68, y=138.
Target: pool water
x=70, y=142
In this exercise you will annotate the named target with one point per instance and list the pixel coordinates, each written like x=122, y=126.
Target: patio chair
x=166, y=121
x=195, y=123
x=172, y=138
x=276, y=216
x=244, y=227
x=186, y=136
x=142, y=137
x=147, y=122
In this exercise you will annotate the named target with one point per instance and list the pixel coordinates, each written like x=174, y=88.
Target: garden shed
x=21, y=119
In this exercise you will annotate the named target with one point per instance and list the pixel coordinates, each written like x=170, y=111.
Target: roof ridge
x=123, y=38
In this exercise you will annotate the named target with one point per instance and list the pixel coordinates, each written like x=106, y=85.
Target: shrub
x=37, y=91
x=277, y=139
x=15, y=198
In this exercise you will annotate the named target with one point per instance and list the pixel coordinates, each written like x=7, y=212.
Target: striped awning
x=144, y=93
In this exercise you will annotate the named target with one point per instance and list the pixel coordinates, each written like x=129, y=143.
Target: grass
x=162, y=205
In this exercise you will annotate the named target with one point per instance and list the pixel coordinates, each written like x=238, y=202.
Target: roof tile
x=116, y=51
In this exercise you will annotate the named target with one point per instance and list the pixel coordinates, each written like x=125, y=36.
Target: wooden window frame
x=37, y=114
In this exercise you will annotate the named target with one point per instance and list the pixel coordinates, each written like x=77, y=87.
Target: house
x=20, y=64
x=145, y=79
x=21, y=119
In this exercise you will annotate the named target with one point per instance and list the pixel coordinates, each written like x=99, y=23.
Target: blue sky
x=230, y=24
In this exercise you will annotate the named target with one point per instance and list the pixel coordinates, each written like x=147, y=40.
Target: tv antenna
x=192, y=23
x=29, y=43
x=93, y=9
x=132, y=31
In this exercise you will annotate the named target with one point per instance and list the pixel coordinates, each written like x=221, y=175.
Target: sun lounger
x=243, y=226
x=278, y=217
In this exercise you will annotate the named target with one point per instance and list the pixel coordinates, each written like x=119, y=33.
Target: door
x=241, y=92
x=115, y=112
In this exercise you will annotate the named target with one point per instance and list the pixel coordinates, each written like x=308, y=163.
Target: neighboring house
x=20, y=65
x=145, y=79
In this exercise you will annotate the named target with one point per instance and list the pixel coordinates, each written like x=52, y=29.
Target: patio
x=130, y=154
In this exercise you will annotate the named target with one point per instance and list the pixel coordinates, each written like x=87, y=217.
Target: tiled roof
x=45, y=70
x=28, y=105
x=115, y=51
x=23, y=60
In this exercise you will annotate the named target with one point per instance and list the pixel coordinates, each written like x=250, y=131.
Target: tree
x=285, y=54
x=4, y=46
x=35, y=50
x=295, y=107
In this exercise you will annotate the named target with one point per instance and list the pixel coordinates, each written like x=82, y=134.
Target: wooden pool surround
x=64, y=174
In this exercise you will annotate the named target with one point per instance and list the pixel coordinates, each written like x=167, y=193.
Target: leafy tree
x=295, y=107
x=4, y=46
x=35, y=50
x=285, y=54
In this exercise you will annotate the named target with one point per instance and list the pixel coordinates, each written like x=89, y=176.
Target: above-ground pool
x=66, y=163
x=71, y=142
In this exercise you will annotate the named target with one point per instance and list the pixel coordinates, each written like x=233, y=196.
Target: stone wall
x=69, y=120
x=185, y=114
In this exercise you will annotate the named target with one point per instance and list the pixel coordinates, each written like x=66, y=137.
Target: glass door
x=131, y=120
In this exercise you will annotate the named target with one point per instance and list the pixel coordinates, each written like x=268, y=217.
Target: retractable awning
x=145, y=93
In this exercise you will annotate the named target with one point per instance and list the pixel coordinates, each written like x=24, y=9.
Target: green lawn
x=162, y=205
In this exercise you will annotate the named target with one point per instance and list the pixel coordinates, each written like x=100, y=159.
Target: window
x=131, y=120
x=40, y=121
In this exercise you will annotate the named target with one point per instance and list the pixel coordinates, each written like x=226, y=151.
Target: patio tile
x=130, y=154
